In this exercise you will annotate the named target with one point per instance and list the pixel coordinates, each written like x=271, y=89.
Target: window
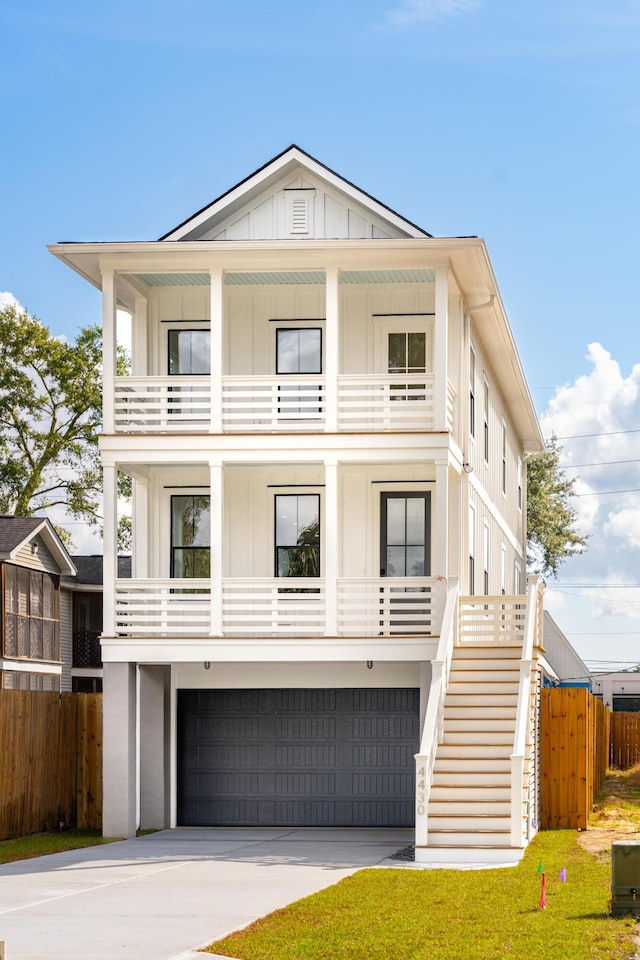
x=486, y=421
x=485, y=555
x=517, y=579
x=519, y=483
x=472, y=392
x=298, y=350
x=407, y=353
x=504, y=457
x=297, y=535
x=404, y=534
x=503, y=569
x=189, y=352
x=190, y=537
x=472, y=550
x=31, y=614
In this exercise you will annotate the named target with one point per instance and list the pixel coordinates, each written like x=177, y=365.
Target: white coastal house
x=327, y=622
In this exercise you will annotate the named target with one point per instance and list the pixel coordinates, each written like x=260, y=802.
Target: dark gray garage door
x=297, y=757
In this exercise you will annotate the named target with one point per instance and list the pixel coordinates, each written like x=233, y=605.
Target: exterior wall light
x=207, y=664
x=369, y=664
x=466, y=466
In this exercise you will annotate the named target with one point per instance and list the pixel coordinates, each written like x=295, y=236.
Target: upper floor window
x=31, y=614
x=472, y=550
x=298, y=350
x=297, y=535
x=189, y=352
x=504, y=457
x=485, y=412
x=190, y=536
x=472, y=392
x=485, y=556
x=519, y=483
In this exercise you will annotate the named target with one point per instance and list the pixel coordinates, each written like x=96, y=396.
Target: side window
x=190, y=537
x=486, y=420
x=472, y=550
x=298, y=350
x=472, y=392
x=189, y=352
x=504, y=458
x=485, y=557
x=297, y=535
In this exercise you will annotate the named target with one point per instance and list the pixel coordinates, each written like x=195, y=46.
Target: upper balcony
x=275, y=405
x=314, y=351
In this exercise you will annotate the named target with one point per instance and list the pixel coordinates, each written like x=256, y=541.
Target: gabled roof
x=15, y=532
x=291, y=160
x=90, y=569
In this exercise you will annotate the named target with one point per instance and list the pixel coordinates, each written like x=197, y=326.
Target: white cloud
x=8, y=300
x=420, y=11
x=599, y=415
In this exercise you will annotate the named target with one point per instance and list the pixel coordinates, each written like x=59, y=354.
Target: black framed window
x=407, y=353
x=189, y=352
x=298, y=350
x=405, y=534
x=297, y=535
x=190, y=536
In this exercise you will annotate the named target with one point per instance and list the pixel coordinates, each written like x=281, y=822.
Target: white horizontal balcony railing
x=403, y=401
x=389, y=606
x=251, y=404
x=277, y=606
x=162, y=404
x=163, y=607
x=367, y=402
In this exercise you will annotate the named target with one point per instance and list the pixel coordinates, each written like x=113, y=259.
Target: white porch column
x=155, y=695
x=441, y=364
x=140, y=531
x=108, y=349
x=217, y=291
x=332, y=348
x=119, y=752
x=440, y=516
x=331, y=546
x=217, y=541
x=110, y=547
x=139, y=339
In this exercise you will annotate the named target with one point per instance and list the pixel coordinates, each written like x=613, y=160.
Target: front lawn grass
x=451, y=914
x=40, y=844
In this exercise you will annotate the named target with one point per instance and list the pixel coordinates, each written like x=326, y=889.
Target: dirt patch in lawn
x=616, y=813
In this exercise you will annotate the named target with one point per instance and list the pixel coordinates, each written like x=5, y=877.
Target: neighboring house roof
x=90, y=569
x=15, y=532
x=566, y=664
x=283, y=164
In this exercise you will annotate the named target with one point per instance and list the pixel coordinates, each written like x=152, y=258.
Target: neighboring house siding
x=66, y=638
x=40, y=560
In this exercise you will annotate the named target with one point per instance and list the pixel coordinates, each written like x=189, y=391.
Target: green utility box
x=625, y=878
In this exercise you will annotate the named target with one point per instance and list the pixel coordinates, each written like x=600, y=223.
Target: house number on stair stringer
x=420, y=797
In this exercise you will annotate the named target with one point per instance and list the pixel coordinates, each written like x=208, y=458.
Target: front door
x=404, y=554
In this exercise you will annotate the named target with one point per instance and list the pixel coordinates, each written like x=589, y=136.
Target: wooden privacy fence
x=625, y=740
x=574, y=755
x=50, y=761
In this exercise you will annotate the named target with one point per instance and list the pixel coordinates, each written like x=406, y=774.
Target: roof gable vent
x=299, y=211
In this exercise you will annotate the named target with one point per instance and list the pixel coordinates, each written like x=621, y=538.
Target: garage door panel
x=297, y=757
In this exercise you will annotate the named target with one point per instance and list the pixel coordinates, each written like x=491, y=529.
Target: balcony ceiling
x=283, y=277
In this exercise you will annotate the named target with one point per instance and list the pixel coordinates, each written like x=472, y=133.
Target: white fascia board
x=281, y=650
x=54, y=545
x=30, y=666
x=275, y=170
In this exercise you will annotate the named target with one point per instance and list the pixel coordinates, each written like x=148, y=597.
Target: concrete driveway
x=159, y=897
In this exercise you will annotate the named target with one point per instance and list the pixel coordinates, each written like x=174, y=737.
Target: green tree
x=551, y=521
x=50, y=417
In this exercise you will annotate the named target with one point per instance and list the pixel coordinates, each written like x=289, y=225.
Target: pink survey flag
x=543, y=892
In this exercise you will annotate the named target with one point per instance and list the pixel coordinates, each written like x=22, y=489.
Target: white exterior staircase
x=475, y=777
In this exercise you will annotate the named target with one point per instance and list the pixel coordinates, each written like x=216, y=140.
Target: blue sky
x=516, y=122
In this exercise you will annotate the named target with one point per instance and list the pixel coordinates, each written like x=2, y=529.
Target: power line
x=600, y=463
x=606, y=493
x=587, y=436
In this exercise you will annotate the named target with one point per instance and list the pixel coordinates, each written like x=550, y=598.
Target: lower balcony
x=280, y=607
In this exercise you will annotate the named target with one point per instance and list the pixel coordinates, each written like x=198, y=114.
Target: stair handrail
x=523, y=716
x=434, y=716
